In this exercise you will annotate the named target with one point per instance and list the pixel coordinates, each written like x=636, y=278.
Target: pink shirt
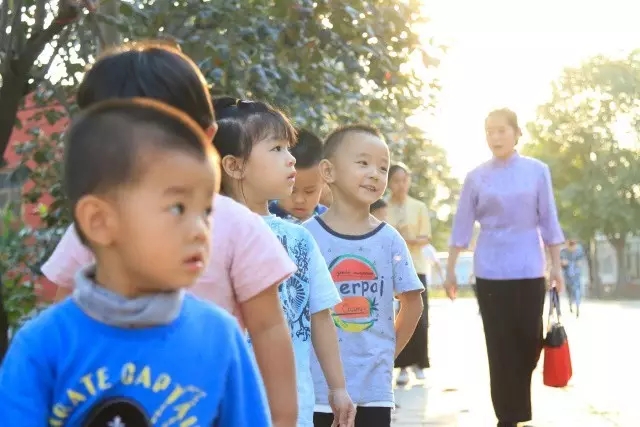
x=246, y=258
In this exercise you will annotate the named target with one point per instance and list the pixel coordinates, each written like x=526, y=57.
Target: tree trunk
x=591, y=255
x=619, y=244
x=597, y=279
x=110, y=34
x=11, y=94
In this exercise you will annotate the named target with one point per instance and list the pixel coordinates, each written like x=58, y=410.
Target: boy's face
x=163, y=221
x=380, y=213
x=305, y=195
x=360, y=167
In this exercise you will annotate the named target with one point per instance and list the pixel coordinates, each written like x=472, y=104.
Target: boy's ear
x=97, y=219
x=232, y=166
x=327, y=171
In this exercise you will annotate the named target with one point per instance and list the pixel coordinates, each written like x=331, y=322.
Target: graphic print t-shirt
x=195, y=371
x=307, y=292
x=367, y=270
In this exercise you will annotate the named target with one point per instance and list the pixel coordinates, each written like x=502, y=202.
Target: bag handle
x=554, y=305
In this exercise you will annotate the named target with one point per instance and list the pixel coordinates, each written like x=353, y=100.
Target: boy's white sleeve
x=323, y=293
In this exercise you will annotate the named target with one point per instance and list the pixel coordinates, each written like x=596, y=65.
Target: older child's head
x=355, y=164
x=253, y=140
x=309, y=184
x=140, y=177
x=379, y=209
x=399, y=180
x=149, y=69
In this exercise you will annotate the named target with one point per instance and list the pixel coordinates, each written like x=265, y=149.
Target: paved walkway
x=456, y=392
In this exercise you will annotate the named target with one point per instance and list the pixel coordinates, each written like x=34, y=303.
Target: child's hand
x=344, y=411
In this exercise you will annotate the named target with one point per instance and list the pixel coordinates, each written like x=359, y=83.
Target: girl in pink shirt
x=247, y=261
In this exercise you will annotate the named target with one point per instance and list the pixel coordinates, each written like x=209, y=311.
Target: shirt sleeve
x=465, y=217
x=69, y=256
x=244, y=402
x=425, y=221
x=405, y=278
x=323, y=293
x=258, y=259
x=26, y=382
x=550, y=229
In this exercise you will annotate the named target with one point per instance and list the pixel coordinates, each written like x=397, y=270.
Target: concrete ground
x=602, y=393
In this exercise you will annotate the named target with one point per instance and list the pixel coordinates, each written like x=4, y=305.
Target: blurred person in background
x=411, y=218
x=571, y=256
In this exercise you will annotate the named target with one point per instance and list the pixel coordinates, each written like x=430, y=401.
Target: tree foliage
x=325, y=62
x=588, y=134
x=27, y=29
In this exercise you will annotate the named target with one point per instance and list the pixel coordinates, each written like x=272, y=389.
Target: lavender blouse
x=513, y=202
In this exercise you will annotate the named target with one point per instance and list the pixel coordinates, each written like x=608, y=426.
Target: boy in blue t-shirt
x=304, y=201
x=130, y=348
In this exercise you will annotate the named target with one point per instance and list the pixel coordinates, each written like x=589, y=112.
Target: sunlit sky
x=506, y=53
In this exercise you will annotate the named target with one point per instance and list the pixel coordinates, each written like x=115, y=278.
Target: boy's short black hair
x=335, y=138
x=308, y=149
x=378, y=204
x=104, y=145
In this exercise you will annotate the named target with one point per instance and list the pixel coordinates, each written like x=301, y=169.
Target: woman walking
x=511, y=197
x=411, y=218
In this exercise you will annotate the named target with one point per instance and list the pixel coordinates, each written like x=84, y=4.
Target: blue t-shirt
x=308, y=291
x=195, y=371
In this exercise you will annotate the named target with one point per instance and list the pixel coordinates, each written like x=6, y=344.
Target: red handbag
x=557, y=370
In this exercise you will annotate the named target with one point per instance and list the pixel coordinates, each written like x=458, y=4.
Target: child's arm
x=408, y=317
x=259, y=263
x=325, y=345
x=26, y=384
x=271, y=341
x=243, y=399
x=322, y=296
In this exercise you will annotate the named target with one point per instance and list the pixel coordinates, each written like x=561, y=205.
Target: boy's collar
x=112, y=309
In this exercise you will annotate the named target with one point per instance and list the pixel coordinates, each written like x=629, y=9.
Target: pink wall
x=29, y=120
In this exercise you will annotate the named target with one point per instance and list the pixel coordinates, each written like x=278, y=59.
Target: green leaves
x=588, y=134
x=325, y=62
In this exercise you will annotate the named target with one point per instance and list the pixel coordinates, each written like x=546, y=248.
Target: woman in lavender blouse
x=511, y=197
